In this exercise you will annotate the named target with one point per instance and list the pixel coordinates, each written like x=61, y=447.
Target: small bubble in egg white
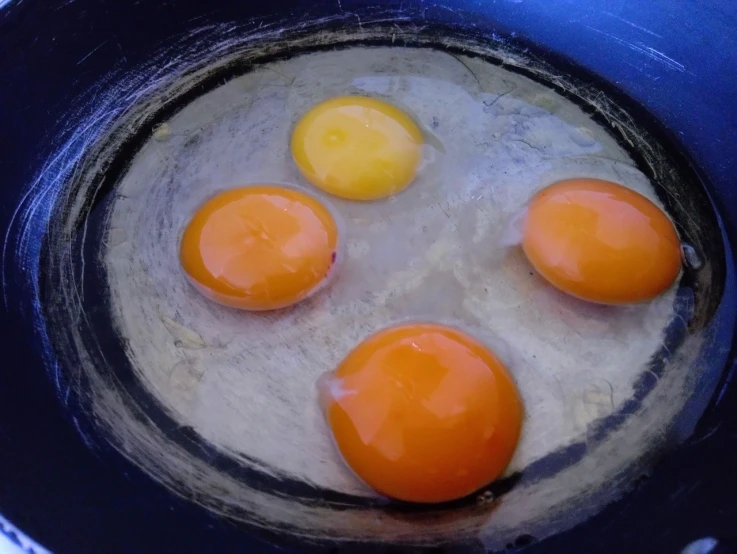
x=690, y=257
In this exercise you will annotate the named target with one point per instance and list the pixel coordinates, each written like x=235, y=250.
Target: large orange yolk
x=423, y=413
x=259, y=247
x=601, y=241
x=357, y=147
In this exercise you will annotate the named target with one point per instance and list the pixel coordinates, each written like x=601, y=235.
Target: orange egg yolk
x=259, y=247
x=423, y=413
x=357, y=148
x=602, y=242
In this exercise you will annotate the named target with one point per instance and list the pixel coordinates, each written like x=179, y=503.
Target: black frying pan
x=60, y=480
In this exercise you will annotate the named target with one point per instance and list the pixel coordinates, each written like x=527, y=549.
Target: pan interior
x=219, y=405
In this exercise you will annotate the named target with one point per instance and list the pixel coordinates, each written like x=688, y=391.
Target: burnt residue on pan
x=59, y=234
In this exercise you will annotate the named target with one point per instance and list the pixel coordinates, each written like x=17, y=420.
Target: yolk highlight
x=423, y=413
x=357, y=148
x=259, y=247
x=602, y=242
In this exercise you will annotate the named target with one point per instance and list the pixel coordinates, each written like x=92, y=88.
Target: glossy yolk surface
x=357, y=147
x=259, y=247
x=601, y=242
x=423, y=413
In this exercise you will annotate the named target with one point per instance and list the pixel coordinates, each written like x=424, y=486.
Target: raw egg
x=259, y=247
x=600, y=241
x=423, y=413
x=357, y=147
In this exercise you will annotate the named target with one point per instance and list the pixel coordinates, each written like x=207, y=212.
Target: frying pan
x=64, y=480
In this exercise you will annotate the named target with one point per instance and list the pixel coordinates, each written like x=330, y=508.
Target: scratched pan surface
x=219, y=407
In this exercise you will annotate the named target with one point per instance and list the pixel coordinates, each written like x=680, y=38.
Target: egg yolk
x=600, y=241
x=357, y=148
x=423, y=413
x=259, y=247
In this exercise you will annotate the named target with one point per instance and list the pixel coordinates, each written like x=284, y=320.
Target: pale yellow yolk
x=357, y=148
